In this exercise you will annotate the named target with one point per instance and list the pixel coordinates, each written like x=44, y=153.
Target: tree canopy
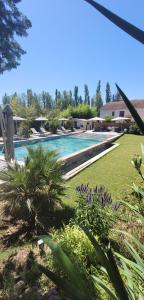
x=12, y=23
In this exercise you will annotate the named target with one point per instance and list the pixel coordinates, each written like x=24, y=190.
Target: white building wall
x=104, y=113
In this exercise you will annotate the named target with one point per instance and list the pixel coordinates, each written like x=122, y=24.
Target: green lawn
x=114, y=170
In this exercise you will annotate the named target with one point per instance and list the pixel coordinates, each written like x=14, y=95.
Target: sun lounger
x=35, y=132
x=59, y=131
x=42, y=129
x=65, y=130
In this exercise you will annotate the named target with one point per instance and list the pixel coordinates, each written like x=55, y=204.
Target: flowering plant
x=95, y=209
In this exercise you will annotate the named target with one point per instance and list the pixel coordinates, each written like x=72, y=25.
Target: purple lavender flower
x=89, y=198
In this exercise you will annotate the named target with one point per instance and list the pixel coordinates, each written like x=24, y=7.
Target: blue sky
x=70, y=43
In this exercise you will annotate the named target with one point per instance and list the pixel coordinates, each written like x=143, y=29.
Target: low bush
x=70, y=124
x=108, y=118
x=79, y=249
x=134, y=129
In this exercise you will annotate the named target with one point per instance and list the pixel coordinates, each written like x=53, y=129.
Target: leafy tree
x=86, y=95
x=13, y=23
x=29, y=97
x=32, y=191
x=70, y=98
x=98, y=101
x=80, y=100
x=76, y=95
x=117, y=97
x=46, y=100
x=108, y=93
x=56, y=95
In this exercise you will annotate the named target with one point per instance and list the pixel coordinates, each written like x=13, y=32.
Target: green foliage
x=13, y=23
x=81, y=111
x=108, y=118
x=23, y=129
x=135, y=32
x=132, y=110
x=69, y=124
x=86, y=95
x=124, y=276
x=75, y=244
x=137, y=162
x=134, y=129
x=76, y=95
x=70, y=265
x=17, y=107
x=108, y=93
x=53, y=125
x=46, y=100
x=98, y=101
x=94, y=210
x=32, y=191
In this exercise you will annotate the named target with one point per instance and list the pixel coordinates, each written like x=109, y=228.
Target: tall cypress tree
x=98, y=102
x=76, y=95
x=29, y=97
x=118, y=97
x=108, y=93
x=5, y=99
x=12, y=23
x=86, y=95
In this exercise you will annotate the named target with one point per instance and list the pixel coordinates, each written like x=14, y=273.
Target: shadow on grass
x=22, y=233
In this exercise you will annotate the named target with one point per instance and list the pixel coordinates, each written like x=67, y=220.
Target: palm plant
x=33, y=190
x=132, y=30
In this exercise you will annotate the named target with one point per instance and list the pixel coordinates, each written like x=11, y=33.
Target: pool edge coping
x=89, y=162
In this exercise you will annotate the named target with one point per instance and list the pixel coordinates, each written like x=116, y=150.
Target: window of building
x=113, y=113
x=121, y=113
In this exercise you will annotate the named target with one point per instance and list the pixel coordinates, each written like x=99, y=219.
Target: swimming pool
x=64, y=145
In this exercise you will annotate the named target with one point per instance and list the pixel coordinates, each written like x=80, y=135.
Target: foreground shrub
x=32, y=191
x=95, y=209
x=80, y=251
x=122, y=277
x=134, y=129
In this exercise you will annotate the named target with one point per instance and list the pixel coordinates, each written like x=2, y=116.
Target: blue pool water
x=64, y=145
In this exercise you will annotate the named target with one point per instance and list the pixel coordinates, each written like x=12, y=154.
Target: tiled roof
x=117, y=105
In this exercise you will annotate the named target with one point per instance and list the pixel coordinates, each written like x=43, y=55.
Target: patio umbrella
x=18, y=119
x=95, y=119
x=121, y=119
x=41, y=119
x=8, y=133
x=63, y=119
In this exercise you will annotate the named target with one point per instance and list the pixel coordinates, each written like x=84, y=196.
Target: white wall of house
x=104, y=113
x=83, y=124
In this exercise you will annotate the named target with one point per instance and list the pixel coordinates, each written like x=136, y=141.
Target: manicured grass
x=114, y=171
